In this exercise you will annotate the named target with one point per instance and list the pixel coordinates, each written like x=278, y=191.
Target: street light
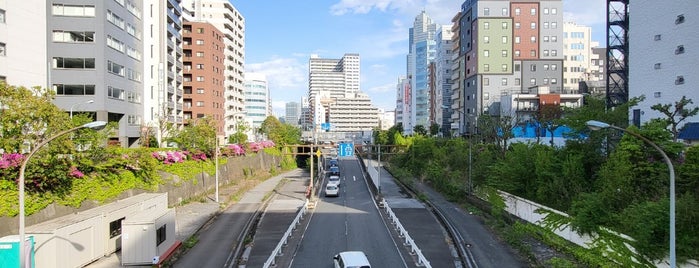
x=597, y=125
x=78, y=104
x=96, y=125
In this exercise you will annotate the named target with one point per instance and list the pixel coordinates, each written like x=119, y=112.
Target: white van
x=351, y=259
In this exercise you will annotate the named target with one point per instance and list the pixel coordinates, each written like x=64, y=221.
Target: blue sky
x=280, y=36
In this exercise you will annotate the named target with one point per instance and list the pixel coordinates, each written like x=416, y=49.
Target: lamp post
x=216, y=164
x=78, y=104
x=597, y=125
x=96, y=125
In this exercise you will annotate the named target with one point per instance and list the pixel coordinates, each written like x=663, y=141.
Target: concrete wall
x=177, y=192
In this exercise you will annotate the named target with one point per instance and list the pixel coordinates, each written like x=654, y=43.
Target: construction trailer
x=147, y=236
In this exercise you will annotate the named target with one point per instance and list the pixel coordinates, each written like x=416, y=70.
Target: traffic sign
x=318, y=153
x=346, y=149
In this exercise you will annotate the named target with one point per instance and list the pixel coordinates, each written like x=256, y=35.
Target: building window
x=486, y=25
x=200, y=104
x=656, y=66
x=200, y=30
x=657, y=37
x=679, y=80
x=546, y=53
x=73, y=36
x=518, y=11
x=554, y=67
x=63, y=89
x=532, y=53
x=73, y=63
x=533, y=25
x=533, y=39
x=533, y=12
x=532, y=81
x=657, y=94
x=554, y=11
x=486, y=11
x=200, y=42
x=486, y=39
x=73, y=10
x=486, y=81
x=3, y=52
x=532, y=67
x=115, y=228
x=116, y=20
x=546, y=38
x=200, y=54
x=504, y=67
x=517, y=53
x=518, y=82
x=546, y=81
x=504, y=25
x=2, y=16
x=200, y=91
x=504, y=39
x=679, y=49
x=517, y=67
x=504, y=11
x=554, y=38
x=504, y=82
x=115, y=68
x=486, y=53
x=200, y=66
x=486, y=67
x=554, y=53
x=504, y=53
x=546, y=67
x=679, y=19
x=517, y=40
x=546, y=11
x=160, y=235
x=200, y=79
x=554, y=81
x=554, y=25
x=546, y=25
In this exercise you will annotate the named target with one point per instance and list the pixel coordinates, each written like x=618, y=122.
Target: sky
x=280, y=37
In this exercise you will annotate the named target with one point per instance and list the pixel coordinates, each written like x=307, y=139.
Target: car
x=333, y=162
x=332, y=190
x=351, y=259
x=335, y=171
x=333, y=179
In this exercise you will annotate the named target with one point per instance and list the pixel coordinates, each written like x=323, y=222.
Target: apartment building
x=662, y=56
x=442, y=80
x=203, y=74
x=226, y=18
x=97, y=62
x=578, y=56
x=162, y=67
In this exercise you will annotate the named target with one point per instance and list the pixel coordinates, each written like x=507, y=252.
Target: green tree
x=676, y=113
x=420, y=130
x=198, y=135
x=280, y=134
x=240, y=136
x=434, y=129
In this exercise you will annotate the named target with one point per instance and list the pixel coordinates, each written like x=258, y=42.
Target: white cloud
x=385, y=88
x=282, y=72
x=589, y=12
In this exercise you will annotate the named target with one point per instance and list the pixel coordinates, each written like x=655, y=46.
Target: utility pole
x=312, y=185
x=379, y=169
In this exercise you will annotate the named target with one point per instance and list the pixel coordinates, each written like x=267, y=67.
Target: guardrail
x=422, y=261
x=278, y=249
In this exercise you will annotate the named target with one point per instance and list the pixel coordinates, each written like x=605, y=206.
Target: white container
x=146, y=236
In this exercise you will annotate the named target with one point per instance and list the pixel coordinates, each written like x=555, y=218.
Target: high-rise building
x=162, y=64
x=662, y=56
x=507, y=47
x=292, y=113
x=258, y=104
x=203, y=74
x=442, y=79
x=422, y=44
x=96, y=60
x=23, y=59
x=403, y=101
x=333, y=92
x=227, y=19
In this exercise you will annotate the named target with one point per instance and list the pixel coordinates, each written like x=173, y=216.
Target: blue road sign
x=325, y=126
x=346, y=149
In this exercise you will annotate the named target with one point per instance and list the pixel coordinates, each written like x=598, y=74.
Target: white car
x=334, y=179
x=351, y=259
x=332, y=190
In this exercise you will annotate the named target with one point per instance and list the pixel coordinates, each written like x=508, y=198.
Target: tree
x=676, y=113
x=549, y=118
x=280, y=134
x=420, y=130
x=434, y=129
x=239, y=137
x=198, y=135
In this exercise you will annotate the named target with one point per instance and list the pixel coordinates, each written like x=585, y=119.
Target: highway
x=348, y=222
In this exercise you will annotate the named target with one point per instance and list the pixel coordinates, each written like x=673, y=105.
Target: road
x=348, y=222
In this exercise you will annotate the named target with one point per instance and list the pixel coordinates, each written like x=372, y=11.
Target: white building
x=258, y=104
x=442, y=83
x=23, y=59
x=227, y=19
x=662, y=56
x=578, y=56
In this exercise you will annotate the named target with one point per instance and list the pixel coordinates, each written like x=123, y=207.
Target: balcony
x=179, y=79
x=171, y=89
x=171, y=105
x=180, y=92
x=179, y=106
x=170, y=59
x=170, y=75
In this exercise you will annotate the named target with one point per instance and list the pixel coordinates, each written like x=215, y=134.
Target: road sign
x=346, y=149
x=318, y=153
x=325, y=126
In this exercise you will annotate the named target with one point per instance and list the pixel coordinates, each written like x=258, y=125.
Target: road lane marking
x=354, y=178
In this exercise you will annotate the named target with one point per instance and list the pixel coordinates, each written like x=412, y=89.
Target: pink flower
x=75, y=172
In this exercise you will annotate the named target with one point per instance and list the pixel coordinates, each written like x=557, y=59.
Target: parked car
x=351, y=259
x=334, y=180
x=332, y=190
x=335, y=171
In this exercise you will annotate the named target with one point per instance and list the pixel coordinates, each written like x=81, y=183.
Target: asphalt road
x=348, y=222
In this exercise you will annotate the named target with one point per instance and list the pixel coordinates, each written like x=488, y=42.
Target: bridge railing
x=278, y=249
x=422, y=261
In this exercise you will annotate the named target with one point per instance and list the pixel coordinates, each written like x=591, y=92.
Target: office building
x=440, y=107
x=258, y=103
x=203, y=74
x=422, y=44
x=578, y=56
x=292, y=113
x=662, y=56
x=23, y=60
x=96, y=60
